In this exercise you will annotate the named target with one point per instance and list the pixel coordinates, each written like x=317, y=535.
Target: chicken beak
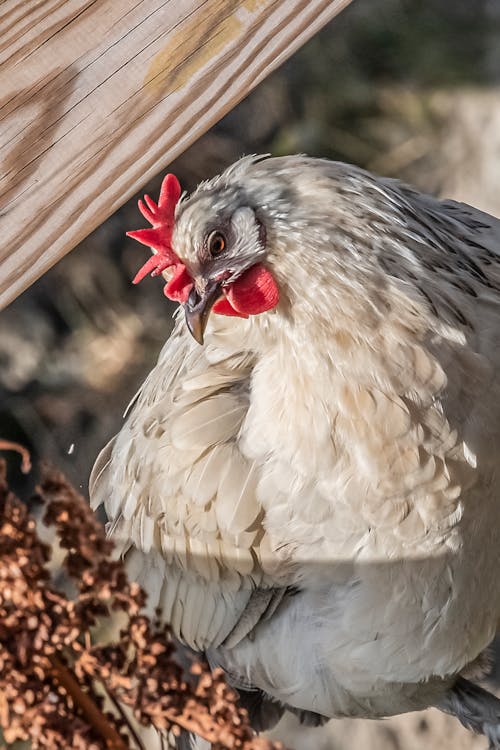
x=198, y=307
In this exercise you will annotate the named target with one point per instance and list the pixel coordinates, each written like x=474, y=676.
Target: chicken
x=312, y=496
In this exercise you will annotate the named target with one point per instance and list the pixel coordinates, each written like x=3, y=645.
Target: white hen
x=312, y=497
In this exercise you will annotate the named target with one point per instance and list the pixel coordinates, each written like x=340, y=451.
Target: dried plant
x=58, y=688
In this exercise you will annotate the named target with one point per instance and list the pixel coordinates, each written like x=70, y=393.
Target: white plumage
x=313, y=496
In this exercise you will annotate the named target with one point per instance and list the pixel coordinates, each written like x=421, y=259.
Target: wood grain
x=98, y=96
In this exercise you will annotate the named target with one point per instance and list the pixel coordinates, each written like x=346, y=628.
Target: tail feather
x=476, y=708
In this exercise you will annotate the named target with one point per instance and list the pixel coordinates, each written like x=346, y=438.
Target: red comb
x=161, y=216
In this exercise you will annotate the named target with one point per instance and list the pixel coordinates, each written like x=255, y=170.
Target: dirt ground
x=426, y=730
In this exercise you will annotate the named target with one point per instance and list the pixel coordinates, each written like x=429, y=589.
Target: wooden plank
x=97, y=96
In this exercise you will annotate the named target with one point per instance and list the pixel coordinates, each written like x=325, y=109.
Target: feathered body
x=313, y=496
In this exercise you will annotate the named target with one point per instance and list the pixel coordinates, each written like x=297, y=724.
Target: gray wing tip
x=475, y=708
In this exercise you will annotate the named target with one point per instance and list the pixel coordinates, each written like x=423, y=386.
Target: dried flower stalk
x=57, y=687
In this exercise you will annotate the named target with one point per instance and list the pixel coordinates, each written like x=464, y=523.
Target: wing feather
x=236, y=509
x=214, y=420
x=183, y=499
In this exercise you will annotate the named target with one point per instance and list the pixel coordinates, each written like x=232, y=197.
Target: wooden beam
x=98, y=96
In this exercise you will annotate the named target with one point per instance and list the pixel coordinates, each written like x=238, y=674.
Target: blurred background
x=406, y=88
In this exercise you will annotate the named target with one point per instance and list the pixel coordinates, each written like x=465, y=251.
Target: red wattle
x=254, y=292
x=224, y=307
x=180, y=285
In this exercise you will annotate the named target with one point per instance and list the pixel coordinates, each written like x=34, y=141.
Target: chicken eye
x=216, y=243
